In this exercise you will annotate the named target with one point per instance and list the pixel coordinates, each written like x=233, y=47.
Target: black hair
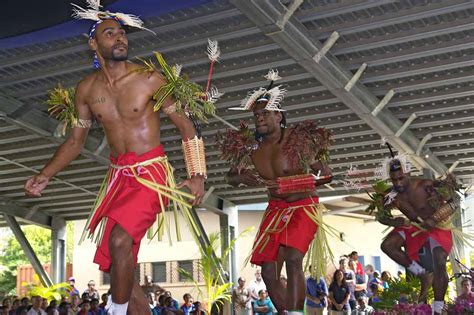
x=395, y=166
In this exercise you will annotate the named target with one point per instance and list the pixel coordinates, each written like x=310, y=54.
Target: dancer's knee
x=120, y=240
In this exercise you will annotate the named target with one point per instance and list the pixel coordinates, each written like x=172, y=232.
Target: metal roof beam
x=294, y=39
x=31, y=215
x=38, y=123
x=137, y=35
x=399, y=17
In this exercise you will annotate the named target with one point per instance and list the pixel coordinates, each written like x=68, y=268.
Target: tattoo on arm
x=98, y=100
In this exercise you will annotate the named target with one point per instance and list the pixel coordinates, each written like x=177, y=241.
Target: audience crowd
x=352, y=289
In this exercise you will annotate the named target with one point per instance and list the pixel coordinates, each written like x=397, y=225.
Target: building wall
x=364, y=237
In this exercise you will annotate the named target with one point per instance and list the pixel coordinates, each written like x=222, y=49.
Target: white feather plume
x=272, y=75
x=213, y=94
x=248, y=102
x=383, y=171
x=94, y=4
x=177, y=69
x=94, y=14
x=276, y=96
x=213, y=50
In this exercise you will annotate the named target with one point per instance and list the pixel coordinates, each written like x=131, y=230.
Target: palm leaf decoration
x=377, y=206
x=215, y=289
x=61, y=106
x=54, y=292
x=189, y=96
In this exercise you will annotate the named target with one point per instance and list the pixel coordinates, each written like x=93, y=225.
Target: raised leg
x=392, y=247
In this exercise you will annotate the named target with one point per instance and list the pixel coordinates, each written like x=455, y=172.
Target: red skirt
x=413, y=244
x=284, y=224
x=127, y=202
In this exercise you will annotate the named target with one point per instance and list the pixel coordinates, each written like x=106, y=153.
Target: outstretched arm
x=246, y=177
x=188, y=133
x=67, y=151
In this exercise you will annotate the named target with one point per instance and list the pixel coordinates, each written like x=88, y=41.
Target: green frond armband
x=377, y=204
x=61, y=106
x=189, y=96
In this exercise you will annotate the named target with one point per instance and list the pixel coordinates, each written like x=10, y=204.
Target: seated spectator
x=74, y=290
x=386, y=278
x=75, y=301
x=92, y=293
x=16, y=304
x=168, y=305
x=362, y=306
x=52, y=308
x=174, y=303
x=104, y=297
x=6, y=305
x=198, y=309
x=188, y=305
x=21, y=310
x=65, y=308
x=467, y=294
x=44, y=304
x=376, y=279
x=376, y=291
x=339, y=294
x=25, y=302
x=160, y=304
x=95, y=309
x=85, y=308
x=263, y=306
x=36, y=309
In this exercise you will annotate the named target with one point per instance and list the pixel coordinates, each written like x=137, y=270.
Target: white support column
x=58, y=250
x=233, y=226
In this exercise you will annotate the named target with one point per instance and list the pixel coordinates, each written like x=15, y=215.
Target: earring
x=96, y=62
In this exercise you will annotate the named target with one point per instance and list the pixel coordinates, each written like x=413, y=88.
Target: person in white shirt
x=36, y=306
x=256, y=285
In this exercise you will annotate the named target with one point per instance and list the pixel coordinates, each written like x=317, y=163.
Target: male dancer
x=286, y=160
x=414, y=198
x=120, y=98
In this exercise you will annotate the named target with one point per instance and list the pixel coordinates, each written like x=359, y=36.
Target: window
x=158, y=271
x=105, y=278
x=361, y=259
x=188, y=266
x=377, y=264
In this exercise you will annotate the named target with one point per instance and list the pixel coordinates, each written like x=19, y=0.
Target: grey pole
x=58, y=249
x=29, y=252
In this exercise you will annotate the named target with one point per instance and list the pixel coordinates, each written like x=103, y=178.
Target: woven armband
x=82, y=123
x=443, y=213
x=194, y=157
x=169, y=109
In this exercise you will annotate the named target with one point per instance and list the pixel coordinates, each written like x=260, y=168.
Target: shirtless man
x=412, y=196
x=120, y=98
x=288, y=241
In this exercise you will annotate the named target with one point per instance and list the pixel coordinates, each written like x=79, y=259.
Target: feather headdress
x=272, y=95
x=392, y=163
x=94, y=13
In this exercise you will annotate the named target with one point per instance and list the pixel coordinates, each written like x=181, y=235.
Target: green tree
x=12, y=255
